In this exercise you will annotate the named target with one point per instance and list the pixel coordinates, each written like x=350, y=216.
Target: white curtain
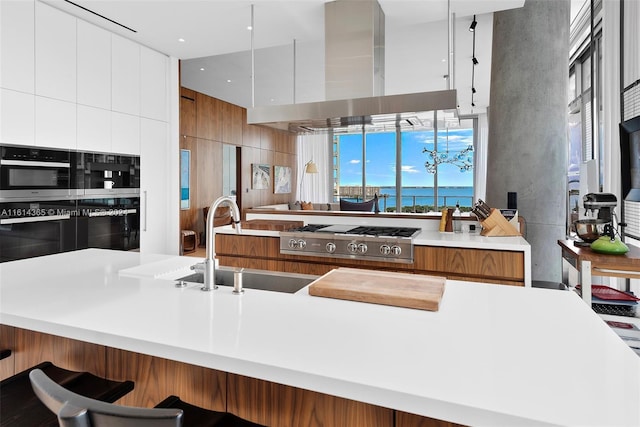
x=314, y=187
x=480, y=167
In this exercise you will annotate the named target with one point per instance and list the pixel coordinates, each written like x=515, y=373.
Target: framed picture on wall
x=281, y=179
x=185, y=175
x=260, y=176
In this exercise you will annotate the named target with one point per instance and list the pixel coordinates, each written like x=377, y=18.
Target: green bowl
x=604, y=245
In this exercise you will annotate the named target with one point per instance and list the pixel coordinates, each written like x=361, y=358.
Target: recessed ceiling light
x=181, y=40
x=272, y=100
x=444, y=59
x=228, y=80
x=249, y=27
x=202, y=69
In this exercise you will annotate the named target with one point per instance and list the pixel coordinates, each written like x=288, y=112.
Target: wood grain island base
x=259, y=401
x=478, y=265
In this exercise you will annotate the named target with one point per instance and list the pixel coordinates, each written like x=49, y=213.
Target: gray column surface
x=527, y=143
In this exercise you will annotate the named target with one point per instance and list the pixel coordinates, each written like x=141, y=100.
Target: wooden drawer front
x=470, y=262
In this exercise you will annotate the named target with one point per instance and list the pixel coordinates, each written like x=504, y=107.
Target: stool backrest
x=74, y=410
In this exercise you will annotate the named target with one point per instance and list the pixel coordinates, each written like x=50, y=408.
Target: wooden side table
x=590, y=263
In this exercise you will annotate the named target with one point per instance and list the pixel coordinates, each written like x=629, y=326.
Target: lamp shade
x=310, y=167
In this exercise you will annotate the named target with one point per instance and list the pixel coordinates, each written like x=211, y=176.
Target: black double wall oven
x=54, y=200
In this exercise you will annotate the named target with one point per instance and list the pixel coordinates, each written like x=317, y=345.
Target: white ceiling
x=416, y=43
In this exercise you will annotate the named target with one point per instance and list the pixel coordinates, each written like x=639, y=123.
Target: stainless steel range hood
x=354, y=68
x=408, y=110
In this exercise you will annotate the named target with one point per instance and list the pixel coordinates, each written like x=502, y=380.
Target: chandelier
x=462, y=159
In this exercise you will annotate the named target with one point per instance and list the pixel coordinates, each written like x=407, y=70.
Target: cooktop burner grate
x=384, y=231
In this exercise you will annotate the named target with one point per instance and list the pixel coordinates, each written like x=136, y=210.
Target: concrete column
x=527, y=144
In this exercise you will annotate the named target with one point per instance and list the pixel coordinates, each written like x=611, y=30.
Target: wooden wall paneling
x=7, y=342
x=250, y=134
x=209, y=171
x=208, y=117
x=35, y=347
x=231, y=122
x=267, y=138
x=284, y=406
x=404, y=419
x=285, y=142
x=156, y=378
x=189, y=217
x=188, y=112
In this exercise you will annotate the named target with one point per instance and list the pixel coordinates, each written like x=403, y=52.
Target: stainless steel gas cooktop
x=381, y=243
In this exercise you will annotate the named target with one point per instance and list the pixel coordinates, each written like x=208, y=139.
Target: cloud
x=409, y=169
x=354, y=161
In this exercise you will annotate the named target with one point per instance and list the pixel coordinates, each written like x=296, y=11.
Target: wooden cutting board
x=381, y=287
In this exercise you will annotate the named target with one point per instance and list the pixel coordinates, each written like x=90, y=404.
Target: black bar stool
x=74, y=410
x=19, y=406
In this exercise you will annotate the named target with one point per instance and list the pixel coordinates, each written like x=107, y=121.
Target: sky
x=381, y=159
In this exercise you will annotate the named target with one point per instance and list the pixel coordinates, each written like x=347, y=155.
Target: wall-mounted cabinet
x=94, y=66
x=55, y=123
x=17, y=116
x=55, y=53
x=125, y=76
x=153, y=85
x=17, y=41
x=94, y=129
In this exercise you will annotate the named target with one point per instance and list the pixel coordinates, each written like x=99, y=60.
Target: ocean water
x=420, y=196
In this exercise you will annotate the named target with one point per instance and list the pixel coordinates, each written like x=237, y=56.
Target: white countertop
x=492, y=355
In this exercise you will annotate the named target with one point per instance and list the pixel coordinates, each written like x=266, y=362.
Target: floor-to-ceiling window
x=420, y=170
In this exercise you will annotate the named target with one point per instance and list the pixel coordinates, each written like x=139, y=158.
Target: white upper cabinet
x=125, y=75
x=125, y=133
x=17, y=45
x=17, y=116
x=94, y=129
x=153, y=84
x=94, y=66
x=55, y=123
x=55, y=53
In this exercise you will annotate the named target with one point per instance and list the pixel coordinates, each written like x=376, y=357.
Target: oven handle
x=27, y=219
x=145, y=210
x=35, y=163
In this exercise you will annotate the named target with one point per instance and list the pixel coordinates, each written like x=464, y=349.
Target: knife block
x=497, y=225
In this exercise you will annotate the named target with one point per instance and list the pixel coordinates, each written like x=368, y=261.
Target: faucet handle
x=198, y=268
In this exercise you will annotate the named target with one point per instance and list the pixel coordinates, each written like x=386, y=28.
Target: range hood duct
x=354, y=68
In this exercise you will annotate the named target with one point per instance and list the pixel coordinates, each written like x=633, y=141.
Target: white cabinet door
x=55, y=123
x=154, y=178
x=125, y=75
x=17, y=116
x=55, y=53
x=94, y=129
x=94, y=66
x=153, y=84
x=17, y=44
x=125, y=133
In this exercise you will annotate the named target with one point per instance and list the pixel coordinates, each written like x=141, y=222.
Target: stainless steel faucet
x=209, y=263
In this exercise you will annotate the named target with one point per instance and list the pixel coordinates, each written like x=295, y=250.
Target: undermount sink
x=255, y=279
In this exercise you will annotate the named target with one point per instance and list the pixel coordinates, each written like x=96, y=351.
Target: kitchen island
x=466, y=256
x=491, y=355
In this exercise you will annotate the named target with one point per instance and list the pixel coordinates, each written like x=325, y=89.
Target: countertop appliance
x=376, y=243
